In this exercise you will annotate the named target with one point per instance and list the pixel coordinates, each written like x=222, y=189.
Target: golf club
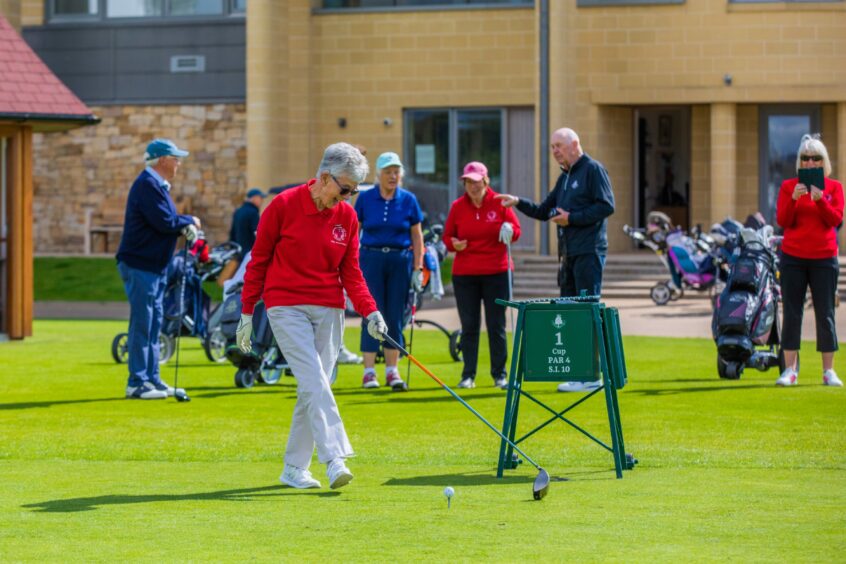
x=540, y=487
x=411, y=339
x=180, y=395
x=510, y=286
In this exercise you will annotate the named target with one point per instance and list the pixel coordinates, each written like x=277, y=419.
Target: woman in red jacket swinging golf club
x=304, y=257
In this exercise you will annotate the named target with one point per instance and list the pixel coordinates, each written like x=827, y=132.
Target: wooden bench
x=106, y=219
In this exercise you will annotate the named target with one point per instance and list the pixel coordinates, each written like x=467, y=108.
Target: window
x=408, y=3
x=438, y=145
x=73, y=10
x=133, y=8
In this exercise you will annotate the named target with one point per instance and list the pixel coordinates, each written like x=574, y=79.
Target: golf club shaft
x=411, y=338
x=460, y=399
x=181, y=312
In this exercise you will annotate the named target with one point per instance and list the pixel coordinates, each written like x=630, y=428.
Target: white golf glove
x=417, y=281
x=506, y=233
x=244, y=332
x=191, y=233
x=376, y=325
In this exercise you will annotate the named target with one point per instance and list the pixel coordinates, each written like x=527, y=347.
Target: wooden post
x=19, y=240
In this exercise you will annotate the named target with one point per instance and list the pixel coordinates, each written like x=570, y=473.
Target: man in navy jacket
x=150, y=229
x=579, y=205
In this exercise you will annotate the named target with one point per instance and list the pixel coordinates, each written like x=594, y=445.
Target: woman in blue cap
x=391, y=259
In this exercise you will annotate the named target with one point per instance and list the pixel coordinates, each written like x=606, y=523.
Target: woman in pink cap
x=479, y=230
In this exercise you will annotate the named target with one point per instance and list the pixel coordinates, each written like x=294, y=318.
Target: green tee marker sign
x=560, y=346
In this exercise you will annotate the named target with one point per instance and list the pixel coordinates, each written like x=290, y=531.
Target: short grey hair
x=342, y=159
x=811, y=145
x=150, y=162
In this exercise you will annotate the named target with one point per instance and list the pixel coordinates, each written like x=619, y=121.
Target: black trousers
x=797, y=274
x=581, y=272
x=470, y=293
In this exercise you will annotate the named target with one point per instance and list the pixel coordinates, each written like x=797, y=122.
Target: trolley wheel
x=120, y=350
x=660, y=293
x=214, y=345
x=729, y=370
x=270, y=373
x=245, y=378
x=167, y=346
x=630, y=461
x=455, y=345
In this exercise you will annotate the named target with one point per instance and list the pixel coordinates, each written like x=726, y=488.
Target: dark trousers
x=388, y=277
x=797, y=274
x=581, y=272
x=145, y=291
x=470, y=292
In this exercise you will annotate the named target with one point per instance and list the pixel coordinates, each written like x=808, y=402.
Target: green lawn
x=729, y=471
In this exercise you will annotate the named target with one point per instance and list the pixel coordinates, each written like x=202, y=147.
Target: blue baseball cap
x=164, y=148
x=255, y=192
x=388, y=159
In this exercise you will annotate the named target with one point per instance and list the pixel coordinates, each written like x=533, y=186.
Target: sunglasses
x=815, y=158
x=345, y=189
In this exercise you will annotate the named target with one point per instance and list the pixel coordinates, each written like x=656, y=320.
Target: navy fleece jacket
x=150, y=226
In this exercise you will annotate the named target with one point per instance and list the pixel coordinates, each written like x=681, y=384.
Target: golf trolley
x=192, y=319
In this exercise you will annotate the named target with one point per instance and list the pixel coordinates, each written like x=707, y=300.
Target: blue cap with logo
x=255, y=192
x=164, y=148
x=388, y=159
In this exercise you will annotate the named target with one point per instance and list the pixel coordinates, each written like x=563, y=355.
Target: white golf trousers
x=310, y=338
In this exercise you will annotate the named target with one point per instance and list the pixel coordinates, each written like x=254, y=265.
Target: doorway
x=662, y=162
x=781, y=129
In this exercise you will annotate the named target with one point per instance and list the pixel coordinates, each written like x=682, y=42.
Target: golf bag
x=746, y=312
x=265, y=361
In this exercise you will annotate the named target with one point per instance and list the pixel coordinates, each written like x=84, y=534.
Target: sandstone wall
x=95, y=166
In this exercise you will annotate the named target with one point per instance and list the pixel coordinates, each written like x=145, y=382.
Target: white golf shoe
x=830, y=378
x=788, y=378
x=338, y=473
x=579, y=386
x=299, y=478
x=346, y=356
x=467, y=383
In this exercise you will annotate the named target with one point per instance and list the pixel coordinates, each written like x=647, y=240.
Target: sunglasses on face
x=815, y=158
x=345, y=189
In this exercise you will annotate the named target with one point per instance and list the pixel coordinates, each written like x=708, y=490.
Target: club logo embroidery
x=558, y=323
x=339, y=233
x=574, y=185
x=491, y=215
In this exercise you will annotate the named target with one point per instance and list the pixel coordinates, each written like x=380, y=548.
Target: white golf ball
x=448, y=491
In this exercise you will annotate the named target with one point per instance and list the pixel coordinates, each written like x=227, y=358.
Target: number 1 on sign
x=558, y=340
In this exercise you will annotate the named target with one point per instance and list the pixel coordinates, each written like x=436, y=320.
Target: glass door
x=781, y=129
x=439, y=142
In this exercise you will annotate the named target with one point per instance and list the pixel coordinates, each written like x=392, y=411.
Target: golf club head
x=402, y=388
x=541, y=486
x=181, y=396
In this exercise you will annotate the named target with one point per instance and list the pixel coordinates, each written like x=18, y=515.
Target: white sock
x=371, y=371
x=389, y=369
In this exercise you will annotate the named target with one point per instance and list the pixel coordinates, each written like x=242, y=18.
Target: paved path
x=685, y=318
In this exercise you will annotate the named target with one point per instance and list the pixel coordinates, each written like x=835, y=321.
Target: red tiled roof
x=28, y=88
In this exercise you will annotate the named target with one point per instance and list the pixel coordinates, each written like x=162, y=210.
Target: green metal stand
x=565, y=340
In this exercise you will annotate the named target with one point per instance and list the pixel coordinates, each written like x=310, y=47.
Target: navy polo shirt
x=387, y=223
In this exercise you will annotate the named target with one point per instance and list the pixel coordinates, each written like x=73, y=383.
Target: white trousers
x=310, y=338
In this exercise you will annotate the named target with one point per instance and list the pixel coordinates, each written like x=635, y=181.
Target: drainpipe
x=543, y=118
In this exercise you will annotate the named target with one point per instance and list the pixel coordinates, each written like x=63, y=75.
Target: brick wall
x=95, y=166
x=11, y=10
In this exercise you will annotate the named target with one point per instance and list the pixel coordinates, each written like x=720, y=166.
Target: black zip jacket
x=584, y=191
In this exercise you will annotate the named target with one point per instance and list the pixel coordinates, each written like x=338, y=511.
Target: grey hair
x=567, y=134
x=150, y=162
x=401, y=172
x=342, y=159
x=811, y=145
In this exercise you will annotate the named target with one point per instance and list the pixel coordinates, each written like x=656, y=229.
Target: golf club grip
x=460, y=399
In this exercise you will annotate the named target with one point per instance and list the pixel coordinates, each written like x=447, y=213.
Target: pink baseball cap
x=475, y=171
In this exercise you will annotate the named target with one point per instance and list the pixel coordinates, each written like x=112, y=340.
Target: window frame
x=481, y=5
x=229, y=11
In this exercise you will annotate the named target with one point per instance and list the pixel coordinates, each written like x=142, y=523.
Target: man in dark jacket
x=150, y=229
x=579, y=205
x=245, y=220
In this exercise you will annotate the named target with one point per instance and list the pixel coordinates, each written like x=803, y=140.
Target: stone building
x=694, y=106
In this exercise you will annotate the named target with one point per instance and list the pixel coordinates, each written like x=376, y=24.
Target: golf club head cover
x=376, y=325
x=506, y=233
x=417, y=281
x=244, y=332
